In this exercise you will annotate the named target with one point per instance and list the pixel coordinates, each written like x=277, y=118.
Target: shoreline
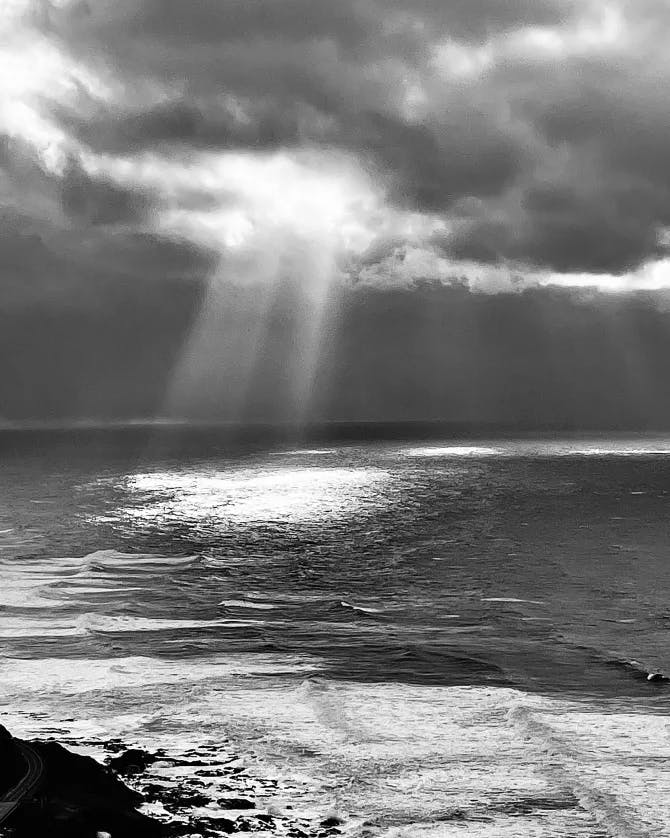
x=387, y=761
x=137, y=793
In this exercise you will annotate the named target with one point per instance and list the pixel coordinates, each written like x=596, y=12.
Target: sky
x=295, y=210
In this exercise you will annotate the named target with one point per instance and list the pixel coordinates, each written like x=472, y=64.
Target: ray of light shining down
x=253, y=349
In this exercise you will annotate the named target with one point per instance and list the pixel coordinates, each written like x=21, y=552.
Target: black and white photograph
x=335, y=418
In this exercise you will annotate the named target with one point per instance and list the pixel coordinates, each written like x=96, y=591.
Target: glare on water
x=427, y=637
x=252, y=495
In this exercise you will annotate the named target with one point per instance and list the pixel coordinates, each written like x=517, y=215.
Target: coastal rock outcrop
x=67, y=794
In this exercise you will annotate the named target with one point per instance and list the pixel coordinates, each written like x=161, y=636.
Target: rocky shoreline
x=135, y=793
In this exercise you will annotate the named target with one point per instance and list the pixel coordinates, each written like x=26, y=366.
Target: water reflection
x=253, y=495
x=453, y=451
x=545, y=448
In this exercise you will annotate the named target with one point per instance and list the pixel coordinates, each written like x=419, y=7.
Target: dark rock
x=214, y=824
x=154, y=791
x=188, y=763
x=235, y=803
x=265, y=819
x=132, y=761
x=177, y=800
x=331, y=821
x=204, y=828
x=12, y=766
x=114, y=746
x=75, y=797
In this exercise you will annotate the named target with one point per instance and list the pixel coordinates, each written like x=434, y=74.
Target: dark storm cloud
x=545, y=151
x=182, y=123
x=100, y=200
x=477, y=20
x=568, y=231
x=607, y=204
x=310, y=72
x=427, y=165
x=46, y=266
x=430, y=166
x=527, y=127
x=350, y=23
x=67, y=233
x=80, y=197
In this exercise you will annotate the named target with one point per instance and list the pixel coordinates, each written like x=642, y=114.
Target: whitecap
x=122, y=623
x=242, y=603
x=67, y=676
x=513, y=599
x=452, y=451
x=367, y=610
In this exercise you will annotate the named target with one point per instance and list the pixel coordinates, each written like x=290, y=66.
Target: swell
x=110, y=603
x=564, y=766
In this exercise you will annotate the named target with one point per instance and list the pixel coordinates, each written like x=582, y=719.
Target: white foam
x=49, y=583
x=26, y=627
x=243, y=603
x=360, y=608
x=399, y=756
x=78, y=675
x=304, y=451
x=124, y=623
x=513, y=599
x=113, y=559
x=452, y=451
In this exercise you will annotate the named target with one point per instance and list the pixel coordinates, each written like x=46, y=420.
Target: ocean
x=412, y=638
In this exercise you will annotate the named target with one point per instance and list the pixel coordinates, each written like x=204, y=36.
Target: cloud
x=68, y=194
x=71, y=230
x=544, y=111
x=485, y=146
x=99, y=200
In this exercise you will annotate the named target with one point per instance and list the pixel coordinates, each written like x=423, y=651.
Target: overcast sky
x=380, y=209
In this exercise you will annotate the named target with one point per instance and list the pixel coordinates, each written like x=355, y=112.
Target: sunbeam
x=253, y=350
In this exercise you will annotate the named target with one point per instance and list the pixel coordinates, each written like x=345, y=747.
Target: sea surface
x=418, y=638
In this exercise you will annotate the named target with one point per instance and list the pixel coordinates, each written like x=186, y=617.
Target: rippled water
x=431, y=638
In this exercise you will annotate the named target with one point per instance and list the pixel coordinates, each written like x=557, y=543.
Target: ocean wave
x=56, y=583
x=511, y=599
x=452, y=451
x=115, y=559
x=639, y=671
x=361, y=608
x=566, y=768
x=305, y=452
x=105, y=623
x=379, y=661
x=243, y=603
x=67, y=676
x=48, y=627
